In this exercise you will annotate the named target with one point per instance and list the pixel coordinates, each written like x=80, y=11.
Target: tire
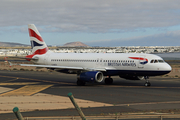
x=147, y=84
x=108, y=81
x=80, y=83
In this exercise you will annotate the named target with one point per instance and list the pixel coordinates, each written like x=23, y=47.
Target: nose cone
x=164, y=68
x=167, y=68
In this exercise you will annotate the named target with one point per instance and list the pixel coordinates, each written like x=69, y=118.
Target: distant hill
x=75, y=44
x=10, y=44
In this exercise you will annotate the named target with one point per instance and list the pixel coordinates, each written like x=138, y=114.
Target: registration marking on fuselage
x=26, y=90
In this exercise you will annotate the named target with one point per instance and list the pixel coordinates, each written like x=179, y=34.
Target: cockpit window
x=152, y=61
x=157, y=61
x=160, y=61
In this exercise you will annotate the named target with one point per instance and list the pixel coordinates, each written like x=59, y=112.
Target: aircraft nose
x=168, y=67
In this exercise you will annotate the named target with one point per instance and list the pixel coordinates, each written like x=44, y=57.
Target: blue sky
x=93, y=22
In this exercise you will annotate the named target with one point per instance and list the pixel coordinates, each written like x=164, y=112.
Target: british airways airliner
x=92, y=67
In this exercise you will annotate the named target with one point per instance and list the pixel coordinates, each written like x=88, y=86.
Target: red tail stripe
x=39, y=52
x=138, y=58
x=29, y=56
x=32, y=33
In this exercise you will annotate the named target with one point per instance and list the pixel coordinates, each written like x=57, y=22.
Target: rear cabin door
x=46, y=59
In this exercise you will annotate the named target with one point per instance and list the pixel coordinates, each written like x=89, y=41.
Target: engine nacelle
x=132, y=77
x=91, y=76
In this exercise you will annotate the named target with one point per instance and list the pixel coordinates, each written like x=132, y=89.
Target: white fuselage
x=110, y=61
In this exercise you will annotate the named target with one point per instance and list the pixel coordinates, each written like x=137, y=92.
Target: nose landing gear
x=147, y=83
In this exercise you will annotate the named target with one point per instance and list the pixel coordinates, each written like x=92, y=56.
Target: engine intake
x=91, y=76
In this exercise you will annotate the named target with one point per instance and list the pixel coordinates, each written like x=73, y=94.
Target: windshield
x=157, y=61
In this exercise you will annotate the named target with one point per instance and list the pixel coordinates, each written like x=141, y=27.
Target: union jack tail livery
x=37, y=43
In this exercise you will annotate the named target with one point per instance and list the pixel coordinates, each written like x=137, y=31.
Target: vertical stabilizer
x=37, y=43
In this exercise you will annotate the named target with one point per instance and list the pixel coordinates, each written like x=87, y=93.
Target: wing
x=64, y=67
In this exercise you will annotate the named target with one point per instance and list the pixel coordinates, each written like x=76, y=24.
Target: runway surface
x=45, y=94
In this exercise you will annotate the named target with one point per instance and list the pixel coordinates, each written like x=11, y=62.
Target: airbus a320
x=93, y=67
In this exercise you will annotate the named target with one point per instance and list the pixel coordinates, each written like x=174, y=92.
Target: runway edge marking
x=26, y=90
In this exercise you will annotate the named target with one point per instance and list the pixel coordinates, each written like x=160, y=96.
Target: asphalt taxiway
x=45, y=94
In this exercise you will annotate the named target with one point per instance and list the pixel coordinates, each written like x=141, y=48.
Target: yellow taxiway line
x=19, y=83
x=26, y=90
x=54, y=82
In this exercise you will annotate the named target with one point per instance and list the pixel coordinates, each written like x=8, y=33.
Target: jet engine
x=128, y=77
x=91, y=76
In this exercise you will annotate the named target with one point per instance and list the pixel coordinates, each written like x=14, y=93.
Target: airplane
x=95, y=67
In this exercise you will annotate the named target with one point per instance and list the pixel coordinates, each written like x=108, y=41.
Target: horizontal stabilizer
x=22, y=57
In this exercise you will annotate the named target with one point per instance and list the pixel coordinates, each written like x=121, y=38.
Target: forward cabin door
x=141, y=61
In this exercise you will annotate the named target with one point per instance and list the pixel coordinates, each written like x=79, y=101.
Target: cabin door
x=99, y=62
x=142, y=61
x=46, y=59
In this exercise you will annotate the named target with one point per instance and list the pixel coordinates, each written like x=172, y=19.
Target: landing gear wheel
x=108, y=81
x=147, y=84
x=81, y=83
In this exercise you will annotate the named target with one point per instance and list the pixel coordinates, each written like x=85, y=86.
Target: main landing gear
x=80, y=83
x=108, y=81
x=147, y=83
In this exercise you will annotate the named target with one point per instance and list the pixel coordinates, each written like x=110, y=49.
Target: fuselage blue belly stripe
x=134, y=72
